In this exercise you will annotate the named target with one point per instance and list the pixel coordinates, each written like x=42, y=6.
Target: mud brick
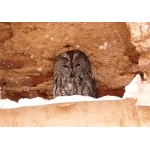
x=27, y=81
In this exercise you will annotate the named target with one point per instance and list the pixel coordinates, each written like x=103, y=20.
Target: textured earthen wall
x=27, y=52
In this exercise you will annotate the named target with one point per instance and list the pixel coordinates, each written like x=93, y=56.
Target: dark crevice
x=67, y=46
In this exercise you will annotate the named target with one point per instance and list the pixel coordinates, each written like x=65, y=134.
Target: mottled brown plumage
x=72, y=75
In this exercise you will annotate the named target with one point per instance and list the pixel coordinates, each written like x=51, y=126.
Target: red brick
x=104, y=91
x=2, y=82
x=134, y=59
x=16, y=63
x=10, y=64
x=5, y=35
x=5, y=32
x=15, y=96
x=27, y=81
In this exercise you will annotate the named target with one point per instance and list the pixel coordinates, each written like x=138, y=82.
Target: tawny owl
x=72, y=75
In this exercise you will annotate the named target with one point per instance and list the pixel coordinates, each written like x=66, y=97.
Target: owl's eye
x=77, y=65
x=65, y=66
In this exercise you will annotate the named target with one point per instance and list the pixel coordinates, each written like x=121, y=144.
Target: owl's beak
x=72, y=74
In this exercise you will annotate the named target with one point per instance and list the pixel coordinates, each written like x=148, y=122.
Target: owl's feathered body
x=72, y=75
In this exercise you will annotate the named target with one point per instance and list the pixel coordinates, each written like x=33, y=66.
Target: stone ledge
x=117, y=113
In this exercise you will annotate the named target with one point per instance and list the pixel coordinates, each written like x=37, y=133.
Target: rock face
x=28, y=50
x=140, y=37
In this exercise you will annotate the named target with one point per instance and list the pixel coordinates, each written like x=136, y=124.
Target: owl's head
x=72, y=64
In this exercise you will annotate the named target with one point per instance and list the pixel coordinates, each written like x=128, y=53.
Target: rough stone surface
x=29, y=49
x=140, y=37
x=114, y=113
